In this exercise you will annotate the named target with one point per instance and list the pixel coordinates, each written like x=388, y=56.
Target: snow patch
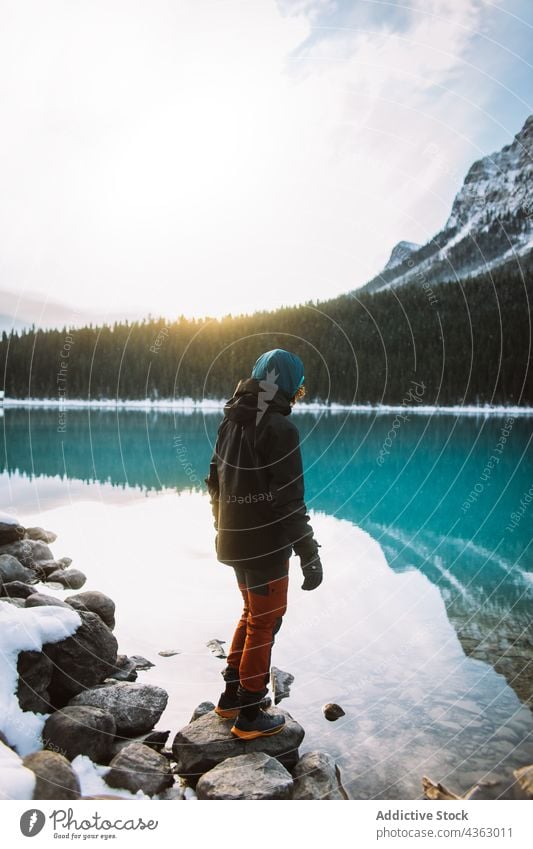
x=24, y=629
x=16, y=780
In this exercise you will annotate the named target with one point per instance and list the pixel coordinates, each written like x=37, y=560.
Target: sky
x=206, y=157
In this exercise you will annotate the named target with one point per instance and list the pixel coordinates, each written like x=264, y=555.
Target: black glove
x=310, y=564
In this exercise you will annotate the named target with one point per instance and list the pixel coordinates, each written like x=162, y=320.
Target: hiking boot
x=252, y=721
x=262, y=725
x=229, y=705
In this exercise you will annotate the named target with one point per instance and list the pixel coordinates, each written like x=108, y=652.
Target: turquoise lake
x=422, y=627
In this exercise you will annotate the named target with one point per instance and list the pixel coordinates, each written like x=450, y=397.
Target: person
x=256, y=490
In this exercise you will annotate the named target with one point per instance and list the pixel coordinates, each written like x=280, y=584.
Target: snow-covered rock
x=23, y=629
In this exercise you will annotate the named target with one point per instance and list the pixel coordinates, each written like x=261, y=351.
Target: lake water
x=422, y=627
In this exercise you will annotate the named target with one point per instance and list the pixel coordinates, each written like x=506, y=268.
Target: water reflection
x=440, y=514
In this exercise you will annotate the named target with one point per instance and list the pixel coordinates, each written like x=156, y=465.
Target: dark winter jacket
x=256, y=480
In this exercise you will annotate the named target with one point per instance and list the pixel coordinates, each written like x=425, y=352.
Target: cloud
x=211, y=157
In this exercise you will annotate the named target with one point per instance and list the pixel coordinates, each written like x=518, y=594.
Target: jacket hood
x=281, y=368
x=252, y=398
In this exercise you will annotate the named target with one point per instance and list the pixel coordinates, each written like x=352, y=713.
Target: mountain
x=400, y=253
x=490, y=224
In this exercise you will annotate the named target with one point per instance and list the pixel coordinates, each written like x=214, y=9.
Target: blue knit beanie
x=281, y=367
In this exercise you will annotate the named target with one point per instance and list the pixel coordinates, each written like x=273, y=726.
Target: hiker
x=256, y=488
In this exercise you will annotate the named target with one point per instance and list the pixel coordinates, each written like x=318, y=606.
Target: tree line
x=466, y=342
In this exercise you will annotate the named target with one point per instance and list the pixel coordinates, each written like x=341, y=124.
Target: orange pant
x=264, y=606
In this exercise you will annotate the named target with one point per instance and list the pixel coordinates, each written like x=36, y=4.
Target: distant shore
x=208, y=405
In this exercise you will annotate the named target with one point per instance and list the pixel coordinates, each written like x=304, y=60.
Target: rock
x=28, y=551
x=71, y=579
x=524, y=776
x=208, y=741
x=38, y=533
x=82, y=660
x=201, y=710
x=215, y=646
x=17, y=589
x=94, y=601
x=135, y=707
x=55, y=777
x=138, y=767
x=281, y=684
x=141, y=662
x=156, y=740
x=332, y=711
x=11, y=569
x=316, y=776
x=41, y=600
x=168, y=653
x=47, y=567
x=17, y=602
x=10, y=532
x=252, y=776
x=34, y=675
x=125, y=669
x=80, y=730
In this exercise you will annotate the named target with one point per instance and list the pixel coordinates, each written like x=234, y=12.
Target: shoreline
x=183, y=405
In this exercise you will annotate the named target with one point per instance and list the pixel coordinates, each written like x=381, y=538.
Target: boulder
x=138, y=767
x=38, y=533
x=135, y=707
x=208, y=741
x=201, y=710
x=94, y=601
x=28, y=551
x=16, y=602
x=316, y=776
x=125, y=669
x=42, y=600
x=332, y=711
x=47, y=567
x=17, y=589
x=252, y=776
x=34, y=675
x=141, y=662
x=55, y=778
x=10, y=532
x=11, y=569
x=156, y=740
x=281, y=684
x=71, y=579
x=82, y=660
x=80, y=730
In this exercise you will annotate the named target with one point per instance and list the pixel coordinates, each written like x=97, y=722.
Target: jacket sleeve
x=211, y=482
x=283, y=459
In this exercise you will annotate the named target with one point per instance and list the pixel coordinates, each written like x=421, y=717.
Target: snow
x=16, y=780
x=7, y=519
x=208, y=405
x=24, y=629
x=91, y=778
